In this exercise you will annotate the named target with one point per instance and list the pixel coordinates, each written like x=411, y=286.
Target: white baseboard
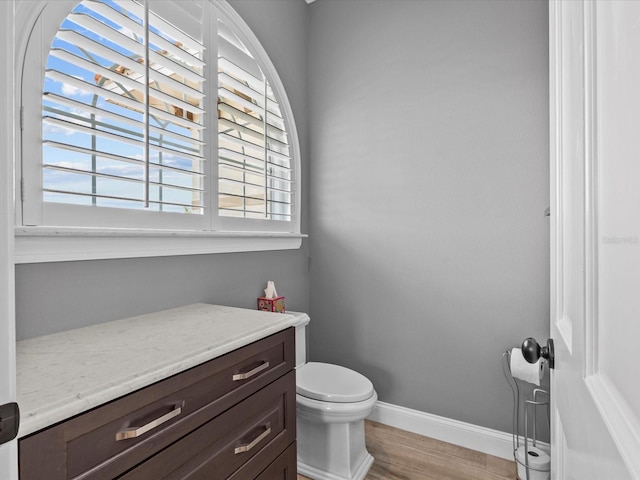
x=482, y=439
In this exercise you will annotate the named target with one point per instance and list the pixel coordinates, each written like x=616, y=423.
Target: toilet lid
x=332, y=383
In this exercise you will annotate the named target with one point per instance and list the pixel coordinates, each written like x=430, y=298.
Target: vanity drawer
x=285, y=467
x=95, y=445
x=253, y=432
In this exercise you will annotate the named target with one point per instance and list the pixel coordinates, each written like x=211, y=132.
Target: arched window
x=154, y=115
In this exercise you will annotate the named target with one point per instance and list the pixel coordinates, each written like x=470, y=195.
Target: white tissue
x=270, y=291
x=523, y=370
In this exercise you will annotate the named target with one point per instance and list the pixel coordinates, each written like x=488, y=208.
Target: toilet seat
x=332, y=383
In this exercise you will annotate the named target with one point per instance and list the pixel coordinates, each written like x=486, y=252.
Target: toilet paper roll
x=520, y=368
x=539, y=464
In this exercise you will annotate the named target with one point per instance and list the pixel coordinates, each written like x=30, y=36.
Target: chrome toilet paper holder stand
x=531, y=407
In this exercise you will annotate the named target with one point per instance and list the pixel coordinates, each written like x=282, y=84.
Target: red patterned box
x=275, y=304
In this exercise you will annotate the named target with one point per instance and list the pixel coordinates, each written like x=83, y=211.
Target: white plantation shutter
x=131, y=96
x=117, y=133
x=254, y=160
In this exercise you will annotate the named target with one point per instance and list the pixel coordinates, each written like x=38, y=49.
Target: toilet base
x=332, y=451
x=317, y=474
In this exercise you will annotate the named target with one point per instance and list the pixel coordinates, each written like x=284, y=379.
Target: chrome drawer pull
x=135, y=432
x=257, y=440
x=250, y=373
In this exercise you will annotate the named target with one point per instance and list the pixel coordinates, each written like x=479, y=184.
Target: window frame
x=38, y=243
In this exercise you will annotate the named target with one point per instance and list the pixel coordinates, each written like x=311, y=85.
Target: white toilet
x=332, y=403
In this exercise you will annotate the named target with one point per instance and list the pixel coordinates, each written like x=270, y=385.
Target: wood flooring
x=401, y=455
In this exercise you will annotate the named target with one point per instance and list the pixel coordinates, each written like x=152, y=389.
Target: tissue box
x=275, y=304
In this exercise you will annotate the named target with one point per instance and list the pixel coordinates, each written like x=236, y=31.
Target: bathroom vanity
x=202, y=391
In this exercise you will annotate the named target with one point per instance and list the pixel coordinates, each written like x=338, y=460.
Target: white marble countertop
x=67, y=373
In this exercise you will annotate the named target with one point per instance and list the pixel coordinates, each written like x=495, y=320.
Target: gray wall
x=429, y=173
x=59, y=296
x=429, y=178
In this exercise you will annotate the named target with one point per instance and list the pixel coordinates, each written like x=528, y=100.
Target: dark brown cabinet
x=232, y=417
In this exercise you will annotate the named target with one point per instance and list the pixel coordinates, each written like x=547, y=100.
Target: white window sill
x=51, y=244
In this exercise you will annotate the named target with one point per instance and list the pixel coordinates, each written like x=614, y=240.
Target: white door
x=8, y=451
x=595, y=238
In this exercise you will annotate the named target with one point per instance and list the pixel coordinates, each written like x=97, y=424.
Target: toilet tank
x=300, y=323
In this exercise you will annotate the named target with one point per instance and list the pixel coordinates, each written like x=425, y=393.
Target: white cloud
x=122, y=170
x=57, y=130
x=73, y=91
x=74, y=165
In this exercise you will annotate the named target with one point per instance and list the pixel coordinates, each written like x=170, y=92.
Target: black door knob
x=531, y=351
